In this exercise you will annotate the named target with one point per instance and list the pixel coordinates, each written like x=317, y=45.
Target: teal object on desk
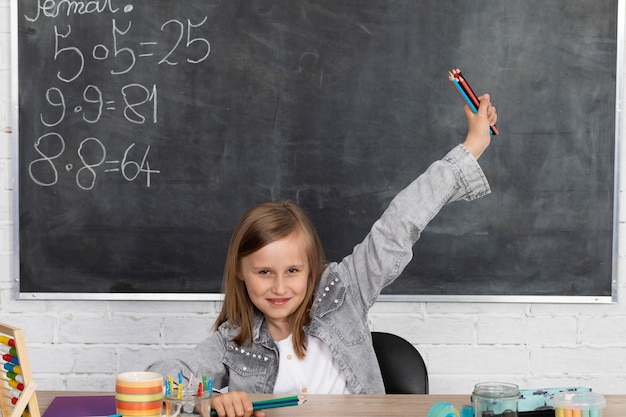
x=443, y=409
x=541, y=398
x=467, y=411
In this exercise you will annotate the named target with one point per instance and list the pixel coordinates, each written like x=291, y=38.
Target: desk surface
x=361, y=405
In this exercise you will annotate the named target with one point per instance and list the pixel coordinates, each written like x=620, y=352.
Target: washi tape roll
x=139, y=394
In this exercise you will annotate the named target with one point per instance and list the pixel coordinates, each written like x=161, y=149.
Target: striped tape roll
x=139, y=394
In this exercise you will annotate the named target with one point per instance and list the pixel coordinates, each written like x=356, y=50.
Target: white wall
x=80, y=345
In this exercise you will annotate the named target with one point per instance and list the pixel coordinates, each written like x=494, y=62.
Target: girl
x=292, y=323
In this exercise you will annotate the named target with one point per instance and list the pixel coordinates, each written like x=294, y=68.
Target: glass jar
x=189, y=403
x=491, y=399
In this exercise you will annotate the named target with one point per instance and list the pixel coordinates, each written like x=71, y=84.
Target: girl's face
x=276, y=280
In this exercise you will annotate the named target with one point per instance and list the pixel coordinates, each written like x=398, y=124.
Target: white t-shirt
x=317, y=373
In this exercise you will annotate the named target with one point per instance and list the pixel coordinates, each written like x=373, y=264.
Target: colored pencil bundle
x=274, y=403
x=466, y=92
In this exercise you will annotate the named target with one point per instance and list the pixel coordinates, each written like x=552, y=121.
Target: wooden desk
x=361, y=405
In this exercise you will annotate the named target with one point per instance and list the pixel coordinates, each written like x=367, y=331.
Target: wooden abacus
x=17, y=388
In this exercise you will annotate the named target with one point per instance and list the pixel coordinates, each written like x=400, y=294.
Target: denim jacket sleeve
x=388, y=248
x=205, y=359
x=250, y=368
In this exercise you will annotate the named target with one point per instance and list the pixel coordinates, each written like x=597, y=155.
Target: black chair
x=402, y=366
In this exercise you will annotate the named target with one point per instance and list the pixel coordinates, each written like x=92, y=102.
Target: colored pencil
x=468, y=89
x=462, y=92
x=295, y=398
x=465, y=91
x=273, y=403
x=470, y=93
x=469, y=102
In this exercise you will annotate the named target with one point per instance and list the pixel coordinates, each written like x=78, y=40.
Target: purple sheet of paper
x=81, y=406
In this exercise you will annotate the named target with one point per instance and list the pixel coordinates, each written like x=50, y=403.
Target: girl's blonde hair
x=259, y=226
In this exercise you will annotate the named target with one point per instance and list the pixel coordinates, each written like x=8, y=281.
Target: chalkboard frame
x=385, y=297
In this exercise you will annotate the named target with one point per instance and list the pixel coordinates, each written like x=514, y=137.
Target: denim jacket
x=347, y=291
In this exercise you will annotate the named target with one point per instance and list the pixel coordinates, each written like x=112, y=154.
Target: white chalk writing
x=53, y=8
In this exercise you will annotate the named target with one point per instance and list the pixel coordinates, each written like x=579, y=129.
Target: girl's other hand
x=234, y=404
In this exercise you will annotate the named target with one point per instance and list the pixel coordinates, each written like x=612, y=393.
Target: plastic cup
x=139, y=394
x=578, y=404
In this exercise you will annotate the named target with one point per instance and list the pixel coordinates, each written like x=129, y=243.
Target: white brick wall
x=82, y=344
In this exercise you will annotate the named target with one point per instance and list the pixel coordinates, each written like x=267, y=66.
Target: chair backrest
x=402, y=366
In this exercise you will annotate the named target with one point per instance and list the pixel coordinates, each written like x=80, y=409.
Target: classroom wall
x=81, y=345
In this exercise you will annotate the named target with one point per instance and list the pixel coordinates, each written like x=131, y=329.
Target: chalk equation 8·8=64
x=44, y=172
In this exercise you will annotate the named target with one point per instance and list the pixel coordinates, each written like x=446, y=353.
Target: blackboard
x=146, y=128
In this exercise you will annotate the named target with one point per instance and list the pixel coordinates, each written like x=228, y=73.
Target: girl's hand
x=478, y=136
x=234, y=404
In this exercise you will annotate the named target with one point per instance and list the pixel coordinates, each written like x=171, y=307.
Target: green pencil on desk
x=274, y=403
x=110, y=415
